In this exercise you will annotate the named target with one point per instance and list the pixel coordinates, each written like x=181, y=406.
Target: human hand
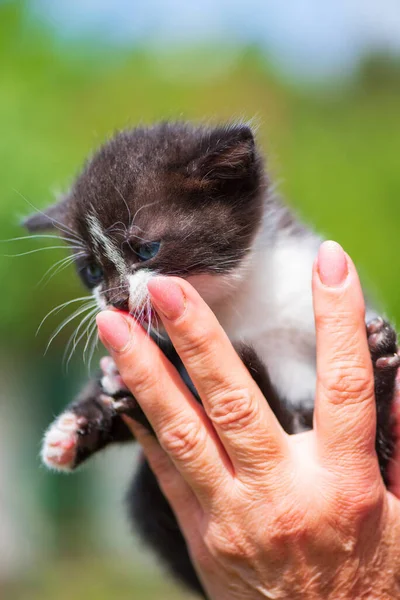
x=264, y=514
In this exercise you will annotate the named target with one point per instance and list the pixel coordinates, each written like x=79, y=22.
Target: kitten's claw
x=61, y=440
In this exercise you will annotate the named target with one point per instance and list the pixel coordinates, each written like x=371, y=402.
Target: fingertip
x=114, y=330
x=332, y=264
x=167, y=295
x=337, y=300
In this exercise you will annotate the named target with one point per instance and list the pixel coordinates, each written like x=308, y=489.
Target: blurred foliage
x=334, y=151
x=90, y=580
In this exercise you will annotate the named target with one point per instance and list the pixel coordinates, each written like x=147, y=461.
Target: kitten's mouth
x=144, y=314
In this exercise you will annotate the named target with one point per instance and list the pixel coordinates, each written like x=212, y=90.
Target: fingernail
x=332, y=264
x=167, y=296
x=114, y=330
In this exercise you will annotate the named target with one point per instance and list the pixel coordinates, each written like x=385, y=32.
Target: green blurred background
x=331, y=133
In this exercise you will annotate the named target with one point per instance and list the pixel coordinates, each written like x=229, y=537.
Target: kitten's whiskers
x=59, y=266
x=35, y=236
x=60, y=307
x=40, y=250
x=74, y=339
x=93, y=334
x=79, y=311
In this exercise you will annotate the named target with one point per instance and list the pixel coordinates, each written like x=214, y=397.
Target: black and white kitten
x=176, y=199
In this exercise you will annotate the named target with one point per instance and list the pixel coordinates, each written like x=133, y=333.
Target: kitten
x=176, y=199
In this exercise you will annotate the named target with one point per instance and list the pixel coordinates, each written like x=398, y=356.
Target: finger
x=247, y=427
x=394, y=464
x=345, y=413
x=179, y=422
x=178, y=493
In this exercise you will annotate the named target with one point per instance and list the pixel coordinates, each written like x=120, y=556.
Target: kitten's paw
x=127, y=406
x=112, y=382
x=382, y=341
x=117, y=395
x=61, y=441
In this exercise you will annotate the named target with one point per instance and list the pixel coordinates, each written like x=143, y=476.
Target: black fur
x=158, y=527
x=382, y=341
x=201, y=179
x=202, y=193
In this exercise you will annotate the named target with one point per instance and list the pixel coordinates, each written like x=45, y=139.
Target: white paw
x=60, y=442
x=111, y=382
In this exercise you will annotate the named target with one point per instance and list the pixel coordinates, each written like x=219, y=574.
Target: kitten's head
x=171, y=199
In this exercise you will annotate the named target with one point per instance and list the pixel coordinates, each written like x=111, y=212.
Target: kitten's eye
x=93, y=274
x=149, y=250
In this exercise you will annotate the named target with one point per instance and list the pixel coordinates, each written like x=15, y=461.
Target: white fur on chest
x=273, y=313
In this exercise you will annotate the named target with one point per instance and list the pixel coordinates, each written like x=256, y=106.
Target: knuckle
x=288, y=526
x=184, y=441
x=360, y=501
x=364, y=509
x=232, y=408
x=346, y=382
x=228, y=542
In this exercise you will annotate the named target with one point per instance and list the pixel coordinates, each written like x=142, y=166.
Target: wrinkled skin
x=265, y=514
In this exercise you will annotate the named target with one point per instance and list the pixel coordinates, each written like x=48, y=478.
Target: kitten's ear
x=50, y=218
x=230, y=154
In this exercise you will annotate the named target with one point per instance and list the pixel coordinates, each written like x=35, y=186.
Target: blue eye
x=93, y=274
x=148, y=251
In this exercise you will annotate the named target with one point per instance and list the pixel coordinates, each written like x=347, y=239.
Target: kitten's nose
x=122, y=304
